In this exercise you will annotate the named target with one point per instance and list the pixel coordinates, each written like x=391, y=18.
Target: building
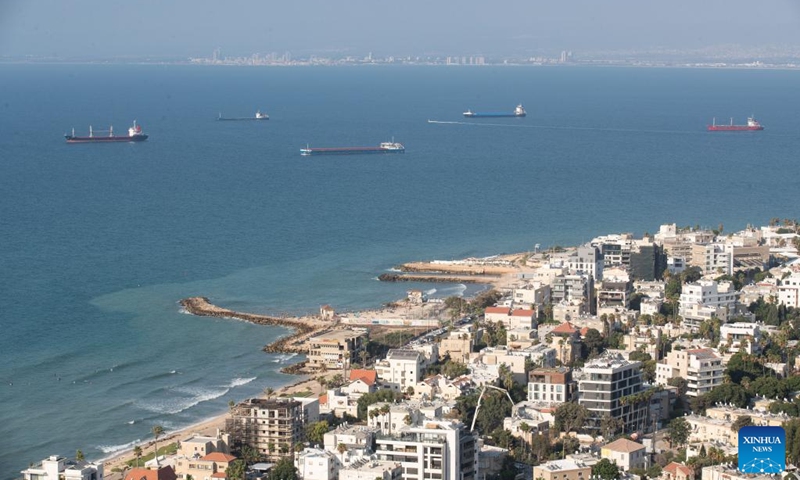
x=207, y=467
x=701, y=368
x=730, y=472
x=317, y=464
x=161, y=473
x=367, y=469
x=534, y=295
x=677, y=471
x=626, y=454
x=577, y=289
x=607, y=386
x=614, y=291
x=566, y=339
x=60, y=468
x=434, y=449
x=326, y=312
x=705, y=300
x=562, y=470
x=789, y=291
x=587, y=260
x=401, y=369
x=551, y=386
x=743, y=336
x=200, y=445
x=458, y=344
x=334, y=349
x=270, y=426
x=416, y=297
x=713, y=258
x=511, y=318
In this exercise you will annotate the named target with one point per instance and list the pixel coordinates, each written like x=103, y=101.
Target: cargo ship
x=518, y=112
x=385, y=147
x=752, y=125
x=258, y=116
x=135, y=134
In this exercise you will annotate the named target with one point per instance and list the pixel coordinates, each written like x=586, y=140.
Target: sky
x=140, y=28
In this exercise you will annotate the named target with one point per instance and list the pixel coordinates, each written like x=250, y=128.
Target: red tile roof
x=504, y=310
x=323, y=399
x=583, y=331
x=219, y=457
x=367, y=376
x=163, y=473
x=673, y=468
x=565, y=328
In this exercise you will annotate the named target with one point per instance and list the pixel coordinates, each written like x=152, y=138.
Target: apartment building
x=574, y=288
x=55, y=467
x=562, y=470
x=401, y=369
x=627, y=454
x=706, y=299
x=432, y=449
x=271, y=426
x=789, y=290
x=701, y=368
x=713, y=258
x=551, y=386
x=587, y=260
x=742, y=336
x=607, y=386
x=334, y=349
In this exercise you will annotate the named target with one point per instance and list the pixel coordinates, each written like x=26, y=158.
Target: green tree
x=680, y=383
x=250, y=455
x=611, y=426
x=742, y=421
x=606, y=470
x=453, y=369
x=506, y=377
x=79, y=456
x=593, y=342
x=316, y=431
x=157, y=430
x=236, y=470
x=570, y=417
x=283, y=470
x=137, y=452
x=341, y=448
x=678, y=431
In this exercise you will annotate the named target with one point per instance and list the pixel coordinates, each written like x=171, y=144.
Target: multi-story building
x=200, y=446
x=562, y=470
x=511, y=318
x=436, y=449
x=578, y=289
x=678, y=243
x=271, y=426
x=615, y=289
x=61, y=468
x=608, y=386
x=534, y=296
x=401, y=369
x=701, y=368
x=741, y=336
x=317, y=464
x=713, y=258
x=458, y=344
x=367, y=469
x=616, y=249
x=337, y=348
x=706, y=299
x=551, y=386
x=587, y=260
x=203, y=468
x=789, y=290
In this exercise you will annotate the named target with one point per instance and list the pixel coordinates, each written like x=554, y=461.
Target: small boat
x=135, y=134
x=518, y=112
x=752, y=125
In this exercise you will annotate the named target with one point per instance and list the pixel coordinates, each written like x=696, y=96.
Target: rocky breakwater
x=304, y=327
x=413, y=277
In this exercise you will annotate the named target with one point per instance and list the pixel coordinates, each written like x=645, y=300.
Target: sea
x=98, y=243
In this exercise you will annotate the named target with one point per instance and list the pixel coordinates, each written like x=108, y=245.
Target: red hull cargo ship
x=752, y=125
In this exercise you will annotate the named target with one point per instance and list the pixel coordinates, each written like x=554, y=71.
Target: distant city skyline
x=102, y=29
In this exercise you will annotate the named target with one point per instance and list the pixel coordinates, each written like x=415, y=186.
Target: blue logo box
x=762, y=450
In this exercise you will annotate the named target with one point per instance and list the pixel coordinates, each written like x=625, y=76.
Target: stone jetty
x=415, y=277
x=304, y=327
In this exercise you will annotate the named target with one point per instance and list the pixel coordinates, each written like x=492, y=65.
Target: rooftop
x=399, y=354
x=557, y=465
x=624, y=445
x=337, y=336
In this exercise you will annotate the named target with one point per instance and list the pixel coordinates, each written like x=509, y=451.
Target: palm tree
x=137, y=451
x=341, y=448
x=158, y=430
x=364, y=355
x=79, y=456
x=269, y=391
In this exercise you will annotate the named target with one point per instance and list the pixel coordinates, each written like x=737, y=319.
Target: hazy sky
x=104, y=28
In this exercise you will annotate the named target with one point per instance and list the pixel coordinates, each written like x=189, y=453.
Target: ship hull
x=734, y=128
x=348, y=151
x=135, y=138
x=492, y=115
x=243, y=119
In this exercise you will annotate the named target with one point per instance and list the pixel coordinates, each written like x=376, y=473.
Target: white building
x=713, y=258
x=317, y=464
x=789, y=290
x=740, y=336
x=701, y=368
x=706, y=299
x=587, y=260
x=603, y=382
x=367, y=469
x=59, y=468
x=401, y=369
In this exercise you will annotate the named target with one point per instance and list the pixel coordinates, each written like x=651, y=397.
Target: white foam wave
x=457, y=289
x=394, y=270
x=238, y=382
x=430, y=292
x=117, y=448
x=171, y=406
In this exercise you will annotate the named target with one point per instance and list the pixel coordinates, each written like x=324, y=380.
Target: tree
x=606, y=470
x=593, y=342
x=137, y=452
x=453, y=369
x=269, y=391
x=341, y=448
x=570, y=417
x=236, y=470
x=79, y=456
x=250, y=455
x=157, y=430
x=680, y=383
x=316, y=431
x=742, y=421
x=611, y=426
x=678, y=431
x=283, y=470
x=506, y=377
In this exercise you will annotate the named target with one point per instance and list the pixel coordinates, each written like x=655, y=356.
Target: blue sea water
x=98, y=243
